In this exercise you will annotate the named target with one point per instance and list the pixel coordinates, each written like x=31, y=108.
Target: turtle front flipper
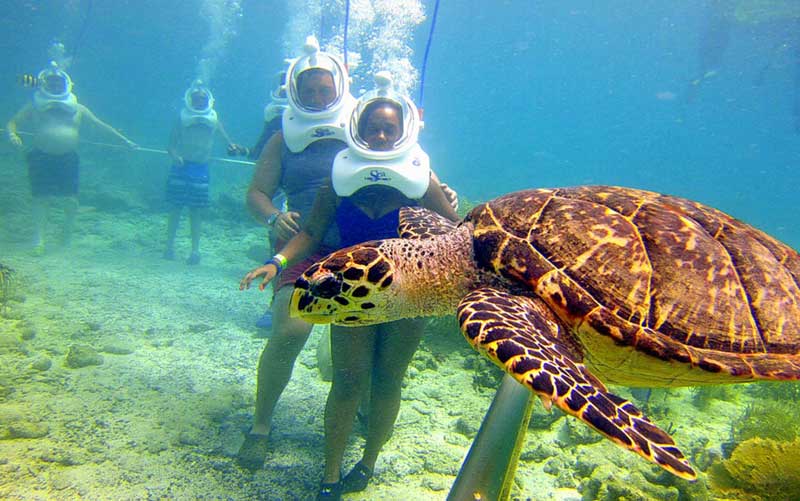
x=524, y=337
x=419, y=223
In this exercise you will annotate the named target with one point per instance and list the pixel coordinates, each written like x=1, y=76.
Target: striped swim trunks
x=187, y=185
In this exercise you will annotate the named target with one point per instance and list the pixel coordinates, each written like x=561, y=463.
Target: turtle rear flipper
x=525, y=338
x=419, y=223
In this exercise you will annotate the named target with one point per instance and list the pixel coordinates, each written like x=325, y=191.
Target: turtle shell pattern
x=664, y=276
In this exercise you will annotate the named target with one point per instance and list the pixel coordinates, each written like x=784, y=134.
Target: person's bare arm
x=449, y=193
x=435, y=200
x=304, y=243
x=224, y=133
x=86, y=112
x=172, y=147
x=11, y=127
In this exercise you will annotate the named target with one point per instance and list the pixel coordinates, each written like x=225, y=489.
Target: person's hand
x=451, y=195
x=268, y=271
x=177, y=160
x=15, y=139
x=287, y=225
x=235, y=150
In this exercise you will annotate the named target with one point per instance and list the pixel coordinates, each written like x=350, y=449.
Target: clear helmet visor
x=384, y=125
x=55, y=83
x=317, y=83
x=198, y=99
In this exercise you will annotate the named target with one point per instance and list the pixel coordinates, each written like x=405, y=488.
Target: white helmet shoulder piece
x=410, y=174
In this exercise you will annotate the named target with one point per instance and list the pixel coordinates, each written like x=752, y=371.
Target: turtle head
x=352, y=286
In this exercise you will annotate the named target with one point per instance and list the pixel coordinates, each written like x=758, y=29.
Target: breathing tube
x=346, y=23
x=424, y=57
x=420, y=106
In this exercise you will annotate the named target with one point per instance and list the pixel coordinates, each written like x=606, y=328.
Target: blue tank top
x=356, y=227
x=302, y=174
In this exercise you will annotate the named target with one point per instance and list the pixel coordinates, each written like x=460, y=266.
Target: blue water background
x=518, y=93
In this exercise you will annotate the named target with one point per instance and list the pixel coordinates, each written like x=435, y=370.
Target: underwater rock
x=81, y=355
x=41, y=364
x=465, y=427
x=608, y=483
x=27, y=333
x=539, y=453
x=26, y=429
x=424, y=360
x=117, y=347
x=760, y=469
x=93, y=326
x=555, y=464
x=457, y=439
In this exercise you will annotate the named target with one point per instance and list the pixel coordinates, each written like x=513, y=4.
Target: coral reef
x=760, y=468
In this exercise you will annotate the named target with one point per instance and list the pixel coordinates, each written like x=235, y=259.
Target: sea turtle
x=569, y=288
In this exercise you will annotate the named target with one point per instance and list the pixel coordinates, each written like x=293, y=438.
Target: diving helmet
x=278, y=94
x=198, y=99
x=383, y=92
x=278, y=100
x=316, y=60
x=303, y=124
x=54, y=83
x=405, y=167
x=198, y=106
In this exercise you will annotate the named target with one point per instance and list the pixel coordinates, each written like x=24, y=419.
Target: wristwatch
x=272, y=218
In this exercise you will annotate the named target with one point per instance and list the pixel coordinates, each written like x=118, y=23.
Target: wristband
x=279, y=261
x=272, y=218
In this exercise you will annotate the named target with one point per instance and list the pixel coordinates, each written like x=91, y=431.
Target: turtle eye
x=327, y=288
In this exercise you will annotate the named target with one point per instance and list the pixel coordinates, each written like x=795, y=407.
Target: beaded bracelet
x=279, y=261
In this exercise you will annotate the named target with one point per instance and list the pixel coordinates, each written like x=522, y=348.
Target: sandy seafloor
x=163, y=415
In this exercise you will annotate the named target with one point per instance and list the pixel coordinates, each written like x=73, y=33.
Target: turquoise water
x=518, y=94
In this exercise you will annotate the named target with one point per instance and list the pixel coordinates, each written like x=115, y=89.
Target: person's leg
x=274, y=371
x=277, y=360
x=172, y=230
x=70, y=212
x=39, y=209
x=352, y=350
x=396, y=344
x=196, y=220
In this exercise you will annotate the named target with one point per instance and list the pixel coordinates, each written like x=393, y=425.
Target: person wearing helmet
x=55, y=117
x=297, y=160
x=273, y=115
x=190, y=146
x=382, y=170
